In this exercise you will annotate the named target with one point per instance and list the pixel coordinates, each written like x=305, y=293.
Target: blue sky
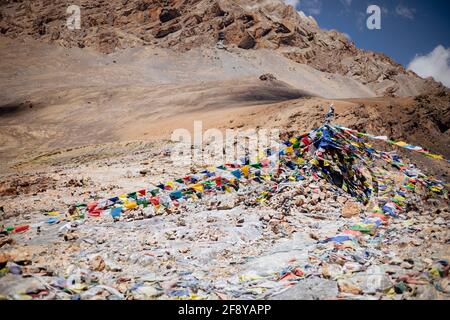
x=409, y=28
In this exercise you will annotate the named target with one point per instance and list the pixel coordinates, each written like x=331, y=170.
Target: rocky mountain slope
x=146, y=93
x=108, y=26
x=149, y=67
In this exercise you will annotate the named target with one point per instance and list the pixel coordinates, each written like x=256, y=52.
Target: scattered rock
x=267, y=77
x=348, y=287
x=351, y=209
x=4, y=258
x=332, y=271
x=97, y=263
x=146, y=292
x=111, y=266
x=406, y=265
x=184, y=250
x=247, y=42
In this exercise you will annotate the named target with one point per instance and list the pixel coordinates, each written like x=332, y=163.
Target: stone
x=406, y=265
x=373, y=280
x=111, y=266
x=21, y=258
x=184, y=250
x=315, y=198
x=247, y=42
x=348, y=287
x=444, y=285
x=274, y=222
x=36, y=269
x=70, y=237
x=133, y=258
x=396, y=261
x=411, y=214
x=309, y=289
x=314, y=236
x=163, y=32
x=342, y=200
x=181, y=222
x=352, y=267
x=267, y=77
x=351, y=209
x=168, y=14
x=226, y=203
x=55, y=35
x=4, y=258
x=427, y=292
x=146, y=260
x=332, y=271
x=146, y=292
x=142, y=5
x=148, y=212
x=97, y=263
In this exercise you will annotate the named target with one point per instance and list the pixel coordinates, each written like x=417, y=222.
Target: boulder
x=267, y=77
x=247, y=42
x=168, y=14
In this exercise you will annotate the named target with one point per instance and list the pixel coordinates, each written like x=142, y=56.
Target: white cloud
x=312, y=7
x=347, y=3
x=436, y=64
x=293, y=3
x=405, y=12
x=308, y=19
x=360, y=20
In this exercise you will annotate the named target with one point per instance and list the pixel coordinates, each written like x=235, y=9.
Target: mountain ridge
x=182, y=25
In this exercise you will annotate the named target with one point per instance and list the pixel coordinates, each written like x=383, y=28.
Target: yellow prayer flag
x=131, y=205
x=198, y=187
x=245, y=170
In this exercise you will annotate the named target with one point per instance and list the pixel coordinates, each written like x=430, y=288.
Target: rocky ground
x=225, y=246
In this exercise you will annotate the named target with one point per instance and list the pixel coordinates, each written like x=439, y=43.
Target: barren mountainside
x=108, y=26
x=148, y=67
